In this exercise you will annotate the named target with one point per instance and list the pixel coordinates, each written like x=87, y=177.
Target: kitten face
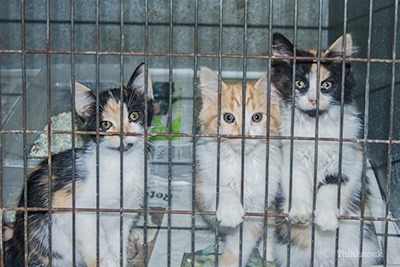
x=133, y=110
x=306, y=74
x=231, y=109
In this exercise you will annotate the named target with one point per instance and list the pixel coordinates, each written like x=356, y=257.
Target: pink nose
x=312, y=101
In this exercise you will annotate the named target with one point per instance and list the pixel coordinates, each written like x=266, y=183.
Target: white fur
x=326, y=212
x=109, y=230
x=230, y=211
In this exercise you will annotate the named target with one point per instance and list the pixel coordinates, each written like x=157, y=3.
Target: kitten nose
x=312, y=101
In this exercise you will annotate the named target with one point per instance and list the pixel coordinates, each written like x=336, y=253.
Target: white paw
x=230, y=215
x=326, y=217
x=301, y=212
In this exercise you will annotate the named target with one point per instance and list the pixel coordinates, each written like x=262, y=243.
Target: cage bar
x=194, y=135
x=243, y=128
x=146, y=134
x=24, y=128
x=194, y=129
x=170, y=80
x=97, y=133
x=390, y=139
x=366, y=123
x=220, y=43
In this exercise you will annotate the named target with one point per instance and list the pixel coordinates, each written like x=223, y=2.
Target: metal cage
x=234, y=38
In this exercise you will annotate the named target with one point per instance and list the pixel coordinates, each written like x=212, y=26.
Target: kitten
x=326, y=211
x=85, y=175
x=230, y=212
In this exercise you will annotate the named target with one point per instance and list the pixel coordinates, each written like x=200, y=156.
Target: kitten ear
x=282, y=47
x=85, y=101
x=136, y=82
x=263, y=84
x=336, y=48
x=209, y=86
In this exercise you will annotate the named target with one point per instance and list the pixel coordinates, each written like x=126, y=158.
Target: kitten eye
x=257, y=117
x=106, y=125
x=229, y=118
x=134, y=116
x=326, y=85
x=300, y=84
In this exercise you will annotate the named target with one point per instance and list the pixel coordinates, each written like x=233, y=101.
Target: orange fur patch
x=63, y=197
x=112, y=113
x=256, y=231
x=228, y=258
x=231, y=102
x=324, y=74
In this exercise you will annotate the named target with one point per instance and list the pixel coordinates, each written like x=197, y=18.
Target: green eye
x=134, y=116
x=106, y=125
x=229, y=118
x=326, y=85
x=257, y=117
x=300, y=84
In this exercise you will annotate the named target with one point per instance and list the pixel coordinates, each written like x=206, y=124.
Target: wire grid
x=194, y=135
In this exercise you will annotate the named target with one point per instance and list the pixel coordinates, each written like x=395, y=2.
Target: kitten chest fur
x=328, y=151
x=110, y=177
x=231, y=170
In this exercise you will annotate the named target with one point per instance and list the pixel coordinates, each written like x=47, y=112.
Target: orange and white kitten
x=230, y=211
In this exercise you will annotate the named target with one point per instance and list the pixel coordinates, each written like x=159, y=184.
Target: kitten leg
x=252, y=230
x=230, y=211
x=86, y=231
x=326, y=210
x=113, y=237
x=301, y=210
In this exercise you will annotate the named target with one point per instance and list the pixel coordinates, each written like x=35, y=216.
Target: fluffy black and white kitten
x=326, y=211
x=85, y=174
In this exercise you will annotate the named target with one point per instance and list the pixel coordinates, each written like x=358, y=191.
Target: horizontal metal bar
x=351, y=140
x=180, y=24
x=187, y=212
x=154, y=54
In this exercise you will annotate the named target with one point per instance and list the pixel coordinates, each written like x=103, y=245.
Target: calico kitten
x=85, y=175
x=230, y=212
x=326, y=212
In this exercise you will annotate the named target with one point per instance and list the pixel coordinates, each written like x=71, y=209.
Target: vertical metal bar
x=295, y=18
x=366, y=125
x=97, y=133
x=340, y=159
x=1, y=171
x=265, y=234
x=50, y=185
x=316, y=131
x=220, y=41
x=146, y=67
x=121, y=212
x=170, y=79
x=24, y=128
x=73, y=132
x=194, y=130
x=390, y=156
x=243, y=127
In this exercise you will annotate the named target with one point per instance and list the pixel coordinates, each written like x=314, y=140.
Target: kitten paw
x=301, y=212
x=230, y=215
x=326, y=217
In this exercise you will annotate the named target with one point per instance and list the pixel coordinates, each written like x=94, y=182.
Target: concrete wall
x=380, y=82
x=158, y=10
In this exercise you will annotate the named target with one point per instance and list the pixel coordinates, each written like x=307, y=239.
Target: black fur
x=282, y=69
x=60, y=177
x=333, y=179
